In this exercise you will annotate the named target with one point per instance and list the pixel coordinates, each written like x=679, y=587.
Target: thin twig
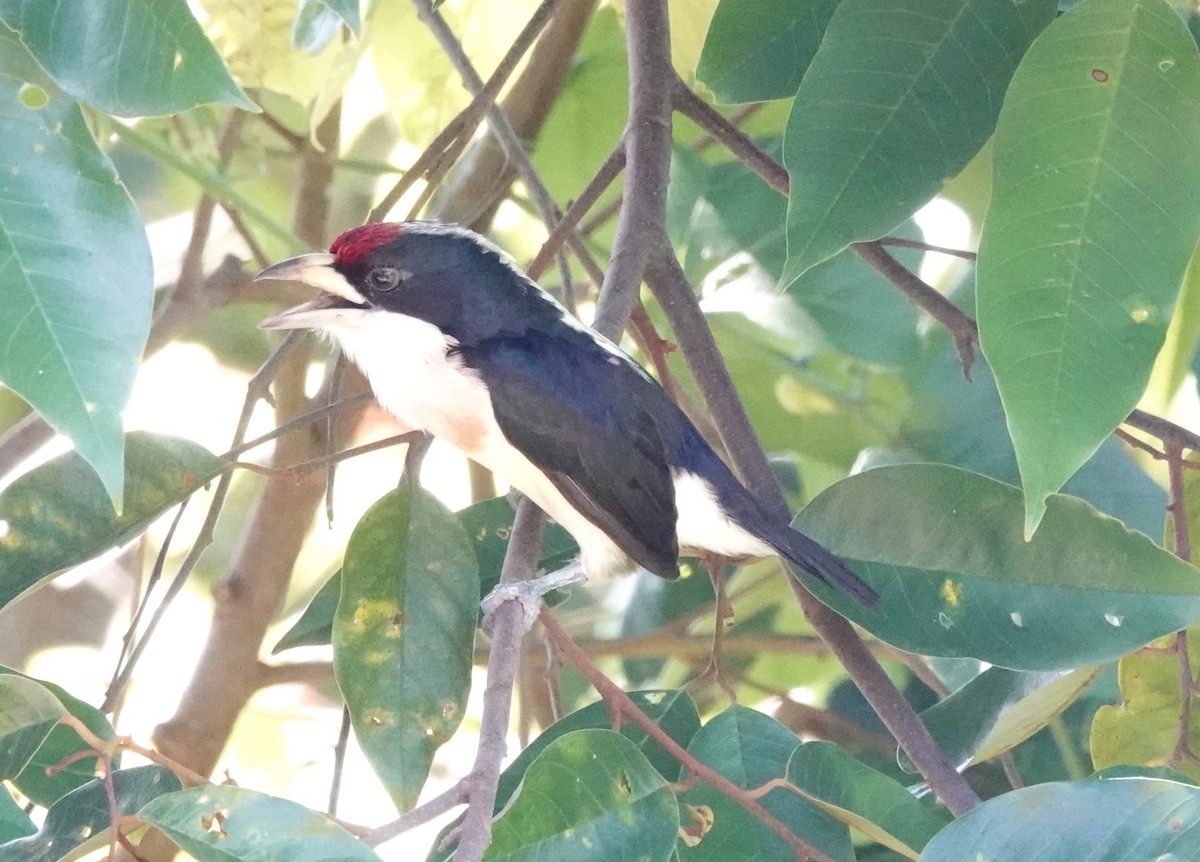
x=422, y=814
x=339, y=762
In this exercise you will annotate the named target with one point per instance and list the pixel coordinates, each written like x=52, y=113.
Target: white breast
x=414, y=378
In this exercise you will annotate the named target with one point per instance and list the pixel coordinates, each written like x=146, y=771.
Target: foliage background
x=994, y=434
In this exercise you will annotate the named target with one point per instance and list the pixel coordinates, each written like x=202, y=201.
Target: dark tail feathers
x=815, y=560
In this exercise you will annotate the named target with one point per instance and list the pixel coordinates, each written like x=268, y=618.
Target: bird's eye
x=385, y=277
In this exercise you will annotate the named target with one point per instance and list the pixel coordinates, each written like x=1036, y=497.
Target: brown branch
x=620, y=701
x=642, y=222
x=675, y=295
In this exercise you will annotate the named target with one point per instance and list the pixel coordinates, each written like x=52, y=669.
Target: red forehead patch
x=358, y=242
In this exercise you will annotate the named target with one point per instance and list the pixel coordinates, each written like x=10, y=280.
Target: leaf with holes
x=1086, y=239
x=133, y=58
x=404, y=634
x=79, y=821
x=945, y=550
x=75, y=275
x=58, y=515
x=252, y=827
x=899, y=98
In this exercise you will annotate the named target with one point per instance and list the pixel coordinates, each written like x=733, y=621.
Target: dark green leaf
x=759, y=51
x=1085, y=245
x=654, y=603
x=899, y=97
x=750, y=749
x=58, y=515
x=28, y=711
x=315, y=626
x=80, y=821
x=14, y=823
x=132, y=58
x=61, y=743
x=488, y=524
x=404, y=633
x=673, y=711
x=75, y=274
x=1100, y=821
x=591, y=795
x=254, y=828
x=945, y=551
x=861, y=797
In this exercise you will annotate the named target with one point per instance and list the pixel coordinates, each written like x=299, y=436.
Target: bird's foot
x=529, y=593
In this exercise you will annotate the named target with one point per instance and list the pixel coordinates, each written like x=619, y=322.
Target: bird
x=457, y=341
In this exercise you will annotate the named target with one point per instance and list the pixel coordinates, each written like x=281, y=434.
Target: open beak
x=316, y=270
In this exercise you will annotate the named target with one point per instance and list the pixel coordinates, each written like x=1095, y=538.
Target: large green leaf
x=404, y=634
x=75, y=274
x=61, y=743
x=79, y=822
x=759, y=51
x=253, y=827
x=750, y=749
x=487, y=524
x=132, y=58
x=945, y=551
x=1115, y=820
x=1094, y=214
x=861, y=797
x=58, y=515
x=28, y=712
x=591, y=795
x=899, y=97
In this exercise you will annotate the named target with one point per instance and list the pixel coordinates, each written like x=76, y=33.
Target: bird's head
x=441, y=274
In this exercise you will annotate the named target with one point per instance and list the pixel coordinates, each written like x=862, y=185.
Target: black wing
x=581, y=414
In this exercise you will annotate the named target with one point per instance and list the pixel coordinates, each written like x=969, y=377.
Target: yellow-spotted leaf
x=404, y=634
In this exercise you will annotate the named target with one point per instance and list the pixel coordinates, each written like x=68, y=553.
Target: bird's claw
x=529, y=593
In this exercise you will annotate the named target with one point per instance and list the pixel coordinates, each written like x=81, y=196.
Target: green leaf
x=58, y=515
x=319, y=21
x=899, y=97
x=75, y=274
x=61, y=743
x=14, y=822
x=404, y=633
x=132, y=58
x=1085, y=242
x=945, y=551
x=487, y=524
x=590, y=795
x=750, y=749
x=1100, y=821
x=673, y=711
x=80, y=821
x=998, y=710
x=1034, y=711
x=315, y=625
x=1144, y=727
x=28, y=712
x=864, y=798
x=759, y=51
x=255, y=827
